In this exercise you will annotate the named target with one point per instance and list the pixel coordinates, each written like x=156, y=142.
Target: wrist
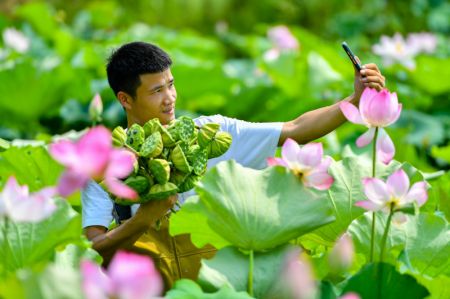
x=354, y=99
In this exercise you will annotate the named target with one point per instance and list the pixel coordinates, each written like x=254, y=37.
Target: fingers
x=371, y=66
x=372, y=77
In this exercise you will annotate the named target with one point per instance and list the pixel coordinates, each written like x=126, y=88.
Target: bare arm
x=317, y=123
x=124, y=236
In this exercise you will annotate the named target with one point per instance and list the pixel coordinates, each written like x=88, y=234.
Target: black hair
x=131, y=60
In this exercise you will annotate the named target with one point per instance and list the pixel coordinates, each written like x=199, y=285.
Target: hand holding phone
x=351, y=56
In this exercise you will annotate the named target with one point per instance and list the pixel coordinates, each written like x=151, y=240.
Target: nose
x=170, y=96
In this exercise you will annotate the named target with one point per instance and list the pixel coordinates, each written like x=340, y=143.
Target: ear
x=125, y=99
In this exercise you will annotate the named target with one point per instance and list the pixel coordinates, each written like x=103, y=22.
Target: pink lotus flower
x=96, y=108
x=342, y=254
x=93, y=157
x=376, y=109
x=394, y=193
x=282, y=40
x=306, y=162
x=396, y=50
x=19, y=205
x=298, y=277
x=16, y=40
x=422, y=42
x=129, y=276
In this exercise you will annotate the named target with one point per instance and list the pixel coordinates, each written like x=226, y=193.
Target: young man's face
x=155, y=97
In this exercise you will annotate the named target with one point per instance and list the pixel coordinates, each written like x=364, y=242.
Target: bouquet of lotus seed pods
x=170, y=159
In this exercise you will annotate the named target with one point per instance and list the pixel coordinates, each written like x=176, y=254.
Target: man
x=139, y=74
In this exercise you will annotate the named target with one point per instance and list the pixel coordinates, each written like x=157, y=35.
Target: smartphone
x=351, y=55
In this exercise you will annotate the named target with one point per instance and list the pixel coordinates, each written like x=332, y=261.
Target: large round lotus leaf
x=258, y=209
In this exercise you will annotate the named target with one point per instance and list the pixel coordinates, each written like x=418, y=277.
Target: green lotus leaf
x=188, y=289
x=382, y=280
x=258, y=209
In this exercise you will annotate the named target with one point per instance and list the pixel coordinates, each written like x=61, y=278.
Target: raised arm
x=123, y=237
x=317, y=123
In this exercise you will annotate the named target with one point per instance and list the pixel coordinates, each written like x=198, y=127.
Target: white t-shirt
x=252, y=144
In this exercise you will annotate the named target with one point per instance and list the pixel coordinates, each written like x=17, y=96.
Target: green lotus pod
x=219, y=145
x=135, y=136
x=151, y=126
x=119, y=136
x=188, y=183
x=199, y=160
x=160, y=170
x=193, y=139
x=207, y=133
x=143, y=172
x=139, y=183
x=179, y=159
x=178, y=177
x=152, y=146
x=185, y=126
x=173, y=131
x=161, y=191
x=191, y=152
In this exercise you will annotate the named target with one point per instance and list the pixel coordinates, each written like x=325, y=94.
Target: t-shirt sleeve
x=252, y=143
x=96, y=206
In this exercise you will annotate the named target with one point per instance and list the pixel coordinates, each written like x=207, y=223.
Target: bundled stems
x=374, y=161
x=386, y=231
x=250, y=275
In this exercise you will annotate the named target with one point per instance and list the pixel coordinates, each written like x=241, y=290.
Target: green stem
x=250, y=274
x=386, y=231
x=374, y=163
x=5, y=242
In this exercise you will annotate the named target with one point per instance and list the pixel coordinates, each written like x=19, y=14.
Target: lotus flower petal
x=134, y=276
x=319, y=180
x=368, y=205
x=94, y=151
x=273, y=161
x=398, y=183
x=70, y=181
x=418, y=193
x=365, y=138
x=65, y=152
x=289, y=151
x=119, y=189
x=364, y=103
x=351, y=113
x=385, y=147
x=120, y=164
x=310, y=154
x=376, y=190
x=96, y=285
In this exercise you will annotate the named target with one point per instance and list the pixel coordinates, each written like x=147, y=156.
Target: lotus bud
x=96, y=109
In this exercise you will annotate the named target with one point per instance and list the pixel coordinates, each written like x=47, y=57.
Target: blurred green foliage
x=219, y=50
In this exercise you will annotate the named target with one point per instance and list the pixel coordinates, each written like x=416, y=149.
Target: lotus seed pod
x=198, y=159
x=143, y=172
x=152, y=146
x=151, y=126
x=207, y=133
x=186, y=128
x=139, y=183
x=188, y=183
x=178, y=177
x=219, y=145
x=119, y=136
x=135, y=136
x=160, y=169
x=179, y=159
x=173, y=131
x=161, y=191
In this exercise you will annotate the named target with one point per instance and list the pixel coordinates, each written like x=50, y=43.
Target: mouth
x=169, y=110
